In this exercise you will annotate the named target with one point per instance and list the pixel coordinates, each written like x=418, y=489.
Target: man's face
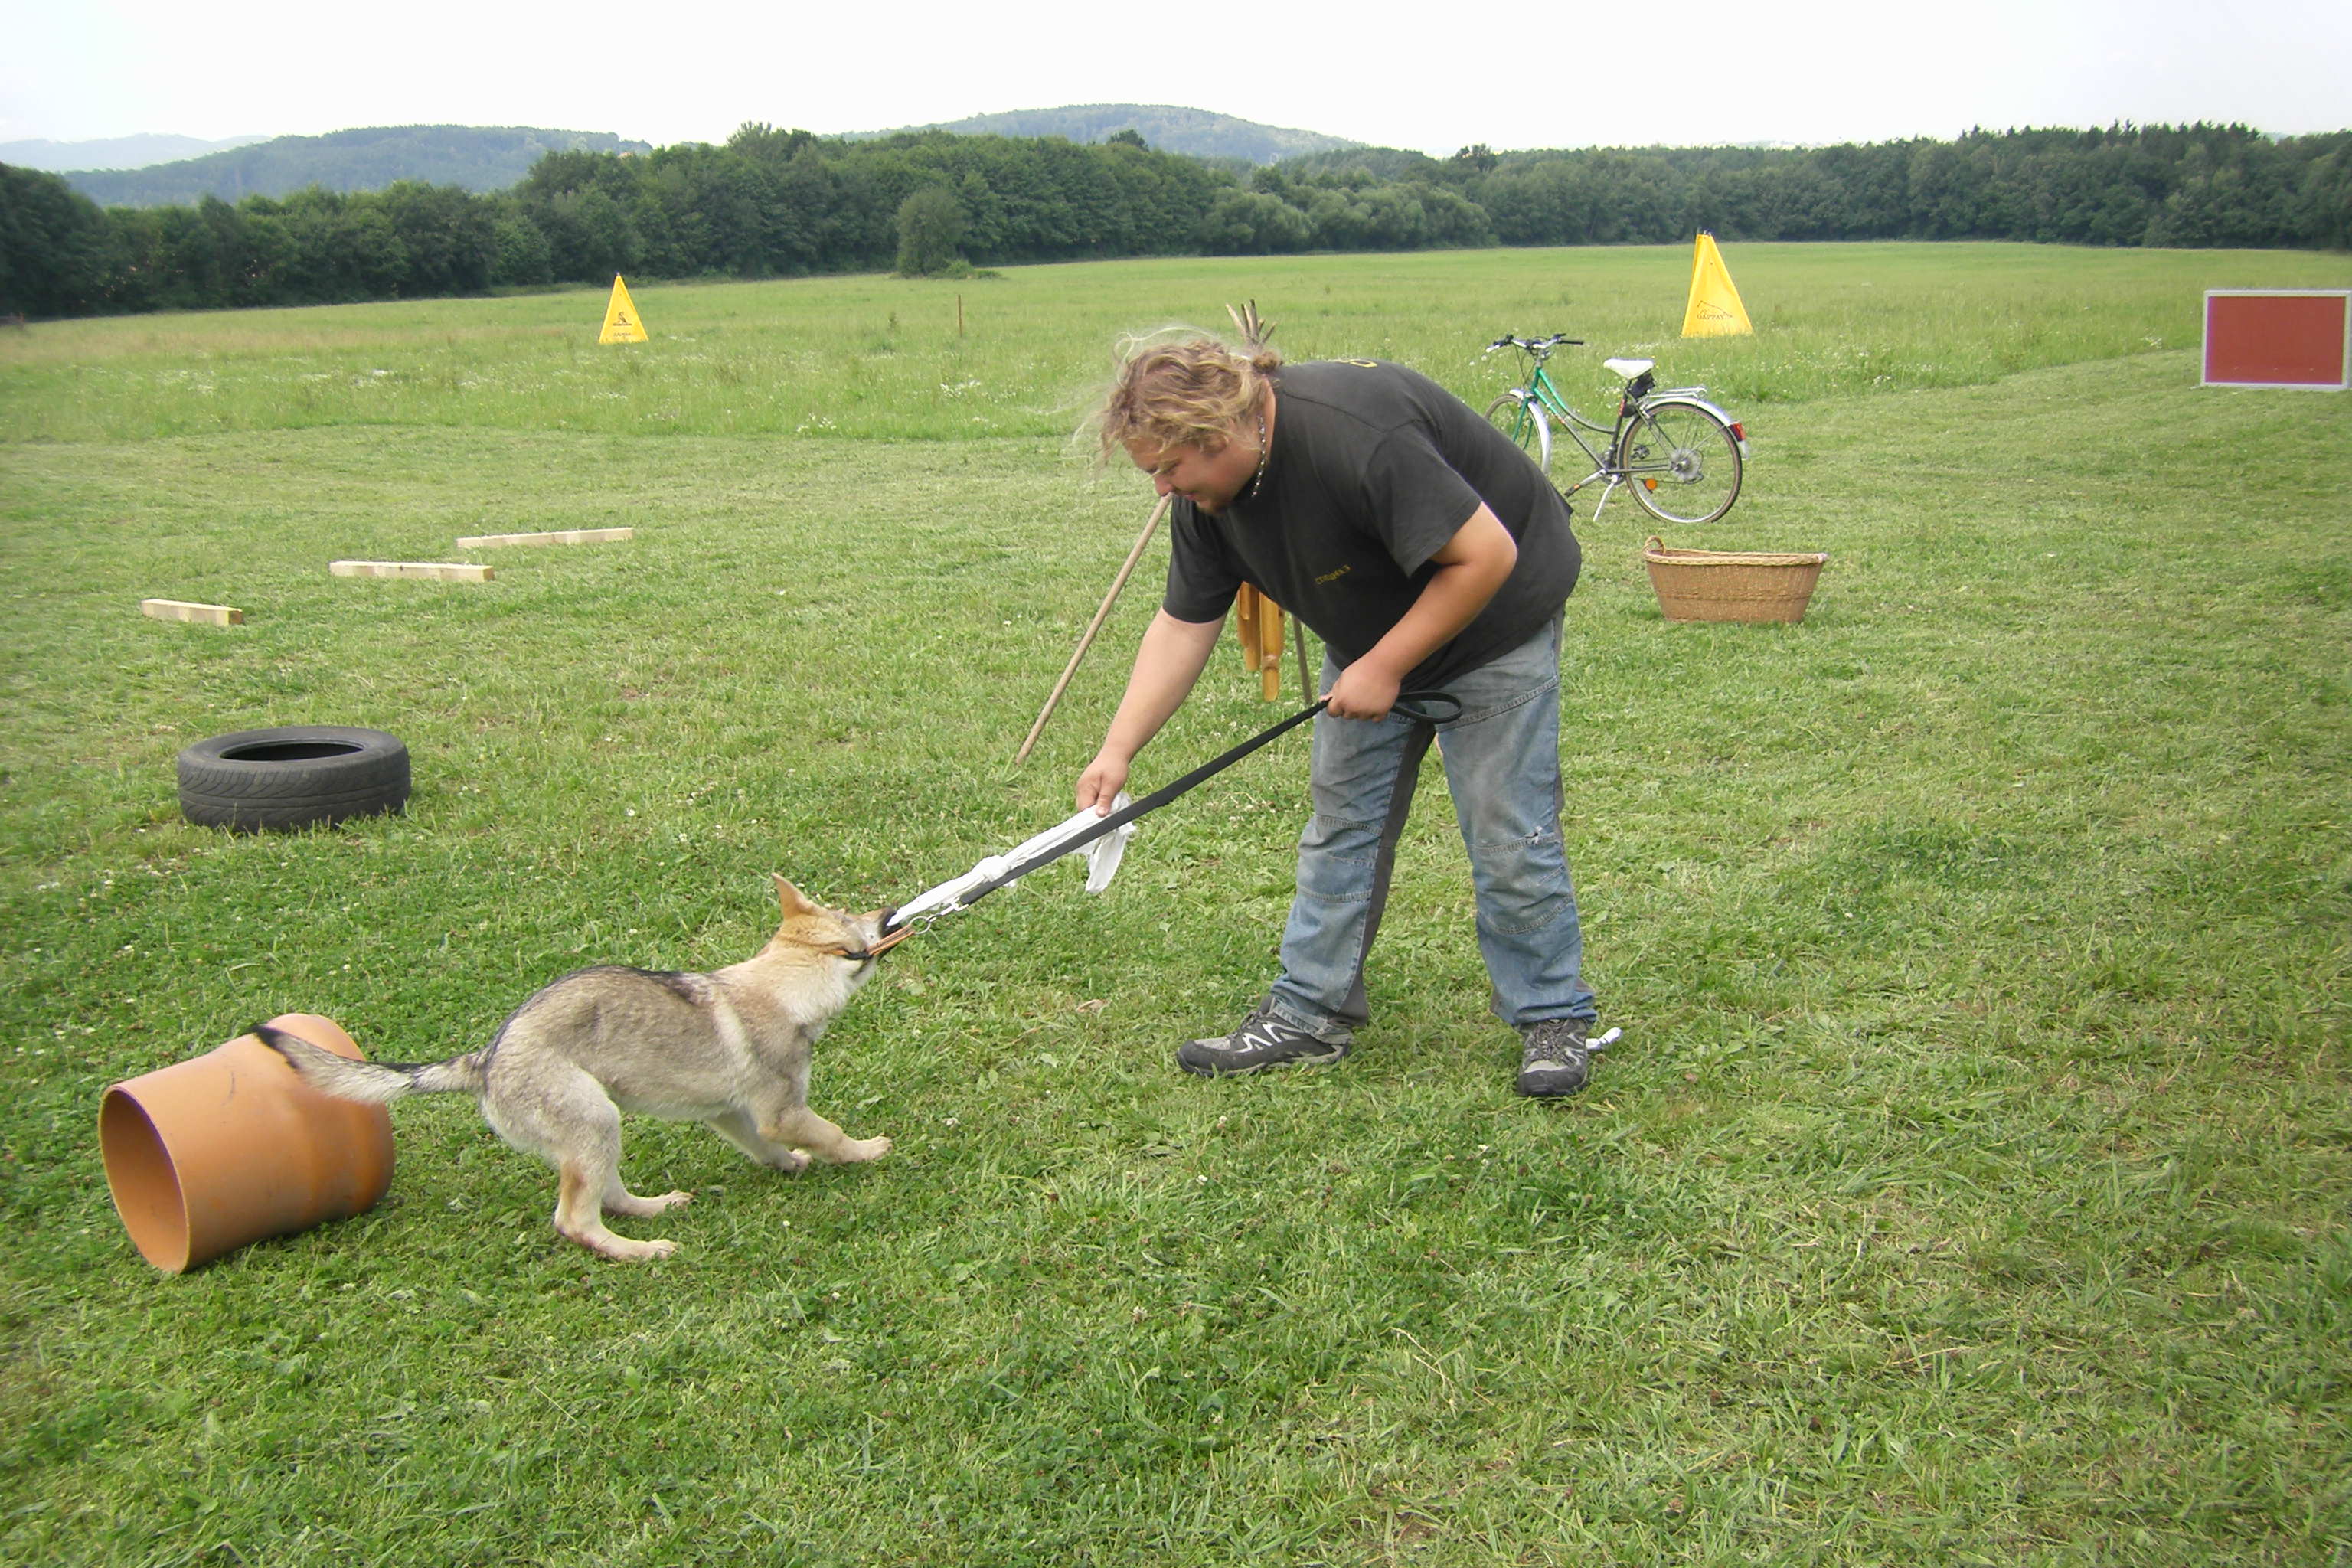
x=1208, y=476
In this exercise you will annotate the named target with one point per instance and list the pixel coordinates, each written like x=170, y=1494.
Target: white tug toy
x=1006, y=870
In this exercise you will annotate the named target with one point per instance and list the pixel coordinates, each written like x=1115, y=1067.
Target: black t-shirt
x=1374, y=466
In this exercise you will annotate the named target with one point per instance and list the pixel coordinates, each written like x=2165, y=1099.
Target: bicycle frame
x=1552, y=409
x=1541, y=400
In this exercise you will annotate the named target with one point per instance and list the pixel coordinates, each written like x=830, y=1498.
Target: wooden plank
x=432, y=571
x=561, y=536
x=182, y=610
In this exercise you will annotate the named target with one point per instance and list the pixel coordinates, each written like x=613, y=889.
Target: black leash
x=1427, y=707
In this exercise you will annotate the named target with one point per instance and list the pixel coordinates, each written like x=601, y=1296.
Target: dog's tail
x=372, y=1083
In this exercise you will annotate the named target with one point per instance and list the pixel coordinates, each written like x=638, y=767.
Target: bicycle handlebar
x=1535, y=345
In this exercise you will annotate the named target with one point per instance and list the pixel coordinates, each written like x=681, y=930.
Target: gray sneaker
x=1555, y=1058
x=1261, y=1041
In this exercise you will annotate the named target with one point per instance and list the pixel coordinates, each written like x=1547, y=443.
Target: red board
x=2285, y=337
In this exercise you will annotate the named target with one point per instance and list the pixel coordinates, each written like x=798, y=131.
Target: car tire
x=298, y=775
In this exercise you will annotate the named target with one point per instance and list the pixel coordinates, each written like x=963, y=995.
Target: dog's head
x=848, y=939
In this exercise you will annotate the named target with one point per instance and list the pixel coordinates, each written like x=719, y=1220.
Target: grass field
x=1971, y=1185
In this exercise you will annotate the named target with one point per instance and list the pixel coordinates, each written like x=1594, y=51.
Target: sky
x=1692, y=73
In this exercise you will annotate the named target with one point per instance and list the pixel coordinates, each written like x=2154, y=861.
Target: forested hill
x=1195, y=132
x=473, y=158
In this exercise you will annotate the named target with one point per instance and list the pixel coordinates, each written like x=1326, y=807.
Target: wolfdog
x=730, y=1048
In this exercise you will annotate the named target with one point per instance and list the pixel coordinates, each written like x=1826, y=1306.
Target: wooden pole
x=1093, y=627
x=1269, y=645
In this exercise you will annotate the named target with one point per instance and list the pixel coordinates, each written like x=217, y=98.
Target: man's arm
x=1170, y=658
x=1471, y=567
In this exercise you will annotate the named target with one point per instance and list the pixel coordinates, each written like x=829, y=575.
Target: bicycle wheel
x=1681, y=463
x=1524, y=424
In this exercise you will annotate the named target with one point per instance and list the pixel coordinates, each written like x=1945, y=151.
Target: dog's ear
x=790, y=897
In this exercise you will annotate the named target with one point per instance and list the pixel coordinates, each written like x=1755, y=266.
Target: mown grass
x=880, y=358
x=1970, y=1185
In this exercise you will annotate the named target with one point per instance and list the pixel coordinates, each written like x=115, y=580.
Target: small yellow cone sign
x=1715, y=311
x=621, y=323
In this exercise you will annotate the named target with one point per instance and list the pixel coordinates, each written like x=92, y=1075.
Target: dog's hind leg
x=582, y=1194
x=802, y=1128
x=739, y=1128
x=575, y=1127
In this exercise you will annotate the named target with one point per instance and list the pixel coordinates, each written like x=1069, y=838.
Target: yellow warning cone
x=621, y=323
x=1715, y=311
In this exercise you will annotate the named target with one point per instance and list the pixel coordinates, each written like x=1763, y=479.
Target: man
x=1428, y=553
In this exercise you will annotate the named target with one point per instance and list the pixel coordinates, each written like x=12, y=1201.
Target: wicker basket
x=1731, y=585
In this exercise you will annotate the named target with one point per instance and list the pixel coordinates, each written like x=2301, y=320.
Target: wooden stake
x=182, y=610
x=1093, y=627
x=1269, y=656
x=561, y=536
x=435, y=571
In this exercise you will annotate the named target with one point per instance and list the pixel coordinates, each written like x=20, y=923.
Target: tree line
x=772, y=203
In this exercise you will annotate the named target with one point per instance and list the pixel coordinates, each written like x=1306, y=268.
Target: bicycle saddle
x=1628, y=368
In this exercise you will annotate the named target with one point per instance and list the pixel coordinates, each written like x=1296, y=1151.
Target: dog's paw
x=790, y=1162
x=865, y=1149
x=635, y=1207
x=620, y=1248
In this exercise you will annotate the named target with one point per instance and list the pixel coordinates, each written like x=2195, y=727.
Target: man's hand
x=1102, y=781
x=1362, y=691
x=1470, y=567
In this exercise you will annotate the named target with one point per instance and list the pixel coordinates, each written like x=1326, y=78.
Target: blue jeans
x=1502, y=767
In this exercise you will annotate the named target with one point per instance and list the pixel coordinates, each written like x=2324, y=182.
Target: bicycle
x=1679, y=455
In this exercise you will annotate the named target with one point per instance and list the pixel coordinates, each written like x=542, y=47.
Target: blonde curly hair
x=1189, y=392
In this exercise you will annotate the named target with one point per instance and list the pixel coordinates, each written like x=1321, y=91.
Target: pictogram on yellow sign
x=1715, y=311
x=621, y=323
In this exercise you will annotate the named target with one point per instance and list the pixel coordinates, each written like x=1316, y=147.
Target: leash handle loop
x=1418, y=705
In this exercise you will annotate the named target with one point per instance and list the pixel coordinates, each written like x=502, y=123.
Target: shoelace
x=1263, y=1032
